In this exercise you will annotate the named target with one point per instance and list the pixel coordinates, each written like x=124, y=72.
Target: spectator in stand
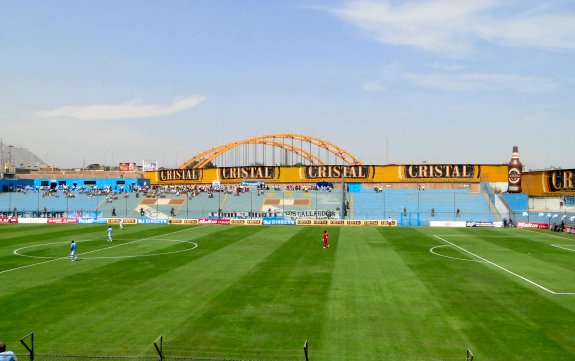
x=6, y=355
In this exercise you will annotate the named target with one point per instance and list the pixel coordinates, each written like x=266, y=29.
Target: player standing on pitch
x=73, y=251
x=109, y=233
x=325, y=237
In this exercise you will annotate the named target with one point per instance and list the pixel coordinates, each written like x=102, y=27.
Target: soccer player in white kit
x=109, y=233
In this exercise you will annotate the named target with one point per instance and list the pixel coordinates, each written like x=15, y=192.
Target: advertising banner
x=247, y=222
x=249, y=172
x=338, y=171
x=62, y=220
x=214, y=221
x=532, y=225
x=441, y=171
x=166, y=175
x=448, y=224
x=319, y=214
x=561, y=180
x=183, y=221
x=92, y=221
x=353, y=223
x=117, y=220
x=150, y=165
x=8, y=220
x=33, y=220
x=127, y=167
x=152, y=221
x=251, y=183
x=271, y=221
x=338, y=222
x=483, y=224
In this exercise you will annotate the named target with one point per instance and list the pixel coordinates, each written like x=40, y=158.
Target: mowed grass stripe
x=503, y=317
x=378, y=306
x=532, y=258
x=259, y=292
x=72, y=290
x=27, y=235
x=273, y=308
x=24, y=272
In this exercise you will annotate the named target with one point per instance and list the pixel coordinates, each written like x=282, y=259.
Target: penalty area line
x=506, y=270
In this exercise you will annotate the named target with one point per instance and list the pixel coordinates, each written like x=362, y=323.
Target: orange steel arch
x=207, y=156
x=225, y=148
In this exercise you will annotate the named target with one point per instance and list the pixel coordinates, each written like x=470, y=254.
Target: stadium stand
x=418, y=207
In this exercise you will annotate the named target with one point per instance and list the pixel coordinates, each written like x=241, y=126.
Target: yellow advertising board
x=556, y=182
x=407, y=173
x=125, y=220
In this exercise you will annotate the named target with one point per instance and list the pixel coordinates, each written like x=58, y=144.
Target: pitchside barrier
x=160, y=354
x=158, y=346
x=299, y=222
x=202, y=221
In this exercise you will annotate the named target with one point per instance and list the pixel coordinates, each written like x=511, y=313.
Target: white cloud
x=481, y=82
x=556, y=32
x=129, y=110
x=451, y=27
x=373, y=86
x=446, y=67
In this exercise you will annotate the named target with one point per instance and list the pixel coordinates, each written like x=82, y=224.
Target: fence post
x=30, y=349
x=160, y=348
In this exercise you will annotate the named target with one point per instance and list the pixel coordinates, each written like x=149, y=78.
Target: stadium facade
x=274, y=180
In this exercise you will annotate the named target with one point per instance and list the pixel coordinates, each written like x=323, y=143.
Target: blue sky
x=442, y=81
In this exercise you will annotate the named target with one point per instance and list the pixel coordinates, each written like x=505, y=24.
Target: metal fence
x=160, y=354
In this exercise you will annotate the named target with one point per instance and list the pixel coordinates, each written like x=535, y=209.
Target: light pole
x=316, y=191
x=219, y=204
x=38, y=201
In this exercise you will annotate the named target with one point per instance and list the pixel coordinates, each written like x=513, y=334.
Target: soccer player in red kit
x=325, y=237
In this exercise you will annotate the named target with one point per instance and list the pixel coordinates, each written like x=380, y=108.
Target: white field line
x=506, y=270
x=97, y=250
x=432, y=250
x=541, y=235
x=551, y=235
x=564, y=246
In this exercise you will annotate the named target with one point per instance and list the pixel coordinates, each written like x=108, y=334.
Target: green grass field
x=259, y=292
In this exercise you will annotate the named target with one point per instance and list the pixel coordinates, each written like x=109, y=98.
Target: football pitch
x=258, y=293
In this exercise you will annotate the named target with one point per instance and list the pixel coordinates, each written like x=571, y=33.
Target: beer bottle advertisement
x=514, y=172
